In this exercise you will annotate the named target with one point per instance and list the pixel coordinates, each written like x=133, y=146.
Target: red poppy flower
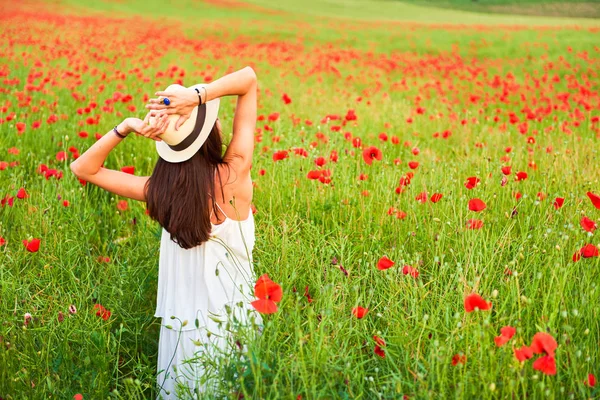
x=307, y=295
x=506, y=170
x=591, y=380
x=266, y=289
x=421, y=197
x=372, y=153
x=501, y=340
x=20, y=127
x=436, y=197
x=32, y=245
x=333, y=156
x=122, y=205
x=299, y=151
x=267, y=292
x=264, y=306
x=384, y=263
x=359, y=312
x=558, y=202
x=78, y=396
x=413, y=164
x=7, y=200
x=22, y=194
x=323, y=179
x=408, y=270
x=320, y=161
x=589, y=250
x=472, y=182
x=588, y=225
x=379, y=351
x=545, y=364
x=458, y=359
x=543, y=343
x=61, y=155
x=379, y=341
x=521, y=176
x=474, y=301
x=506, y=333
x=476, y=205
x=102, y=312
x=595, y=199
x=128, y=169
x=351, y=115
x=524, y=353
x=286, y=99
x=2, y=241
x=400, y=214
x=313, y=174
x=474, y=224
x=280, y=155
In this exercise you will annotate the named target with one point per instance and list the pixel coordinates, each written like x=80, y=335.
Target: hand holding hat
x=153, y=125
x=187, y=124
x=175, y=100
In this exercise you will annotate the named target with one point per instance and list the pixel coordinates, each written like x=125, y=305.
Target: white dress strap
x=219, y=207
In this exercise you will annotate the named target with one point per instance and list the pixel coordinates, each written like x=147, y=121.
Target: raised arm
x=89, y=165
x=241, y=83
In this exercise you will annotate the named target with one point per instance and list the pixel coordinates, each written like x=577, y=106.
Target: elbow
x=75, y=169
x=251, y=74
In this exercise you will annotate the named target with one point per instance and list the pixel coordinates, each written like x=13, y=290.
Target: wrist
x=124, y=128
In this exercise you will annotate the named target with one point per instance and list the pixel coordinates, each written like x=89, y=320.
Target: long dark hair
x=178, y=194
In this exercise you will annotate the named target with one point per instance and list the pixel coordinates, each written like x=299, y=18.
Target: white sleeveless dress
x=199, y=285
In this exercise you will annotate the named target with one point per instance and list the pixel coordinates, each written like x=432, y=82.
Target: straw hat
x=180, y=145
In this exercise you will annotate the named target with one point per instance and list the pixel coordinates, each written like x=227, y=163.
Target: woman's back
x=198, y=282
x=209, y=286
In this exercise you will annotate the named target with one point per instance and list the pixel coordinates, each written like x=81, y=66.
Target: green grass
x=553, y=8
x=440, y=12
x=316, y=350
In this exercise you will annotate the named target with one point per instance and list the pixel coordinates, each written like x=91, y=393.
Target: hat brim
x=173, y=156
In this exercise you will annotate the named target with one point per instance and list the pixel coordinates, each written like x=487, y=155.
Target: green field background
x=325, y=55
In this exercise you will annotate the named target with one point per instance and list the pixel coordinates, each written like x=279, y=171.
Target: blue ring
x=166, y=101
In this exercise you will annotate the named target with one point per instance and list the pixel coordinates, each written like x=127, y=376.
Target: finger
x=166, y=94
x=155, y=129
x=153, y=122
x=156, y=106
x=163, y=110
x=181, y=121
x=164, y=123
x=157, y=113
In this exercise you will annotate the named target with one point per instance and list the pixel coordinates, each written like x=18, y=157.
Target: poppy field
x=426, y=198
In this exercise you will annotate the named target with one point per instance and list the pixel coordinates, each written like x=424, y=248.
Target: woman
x=201, y=198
